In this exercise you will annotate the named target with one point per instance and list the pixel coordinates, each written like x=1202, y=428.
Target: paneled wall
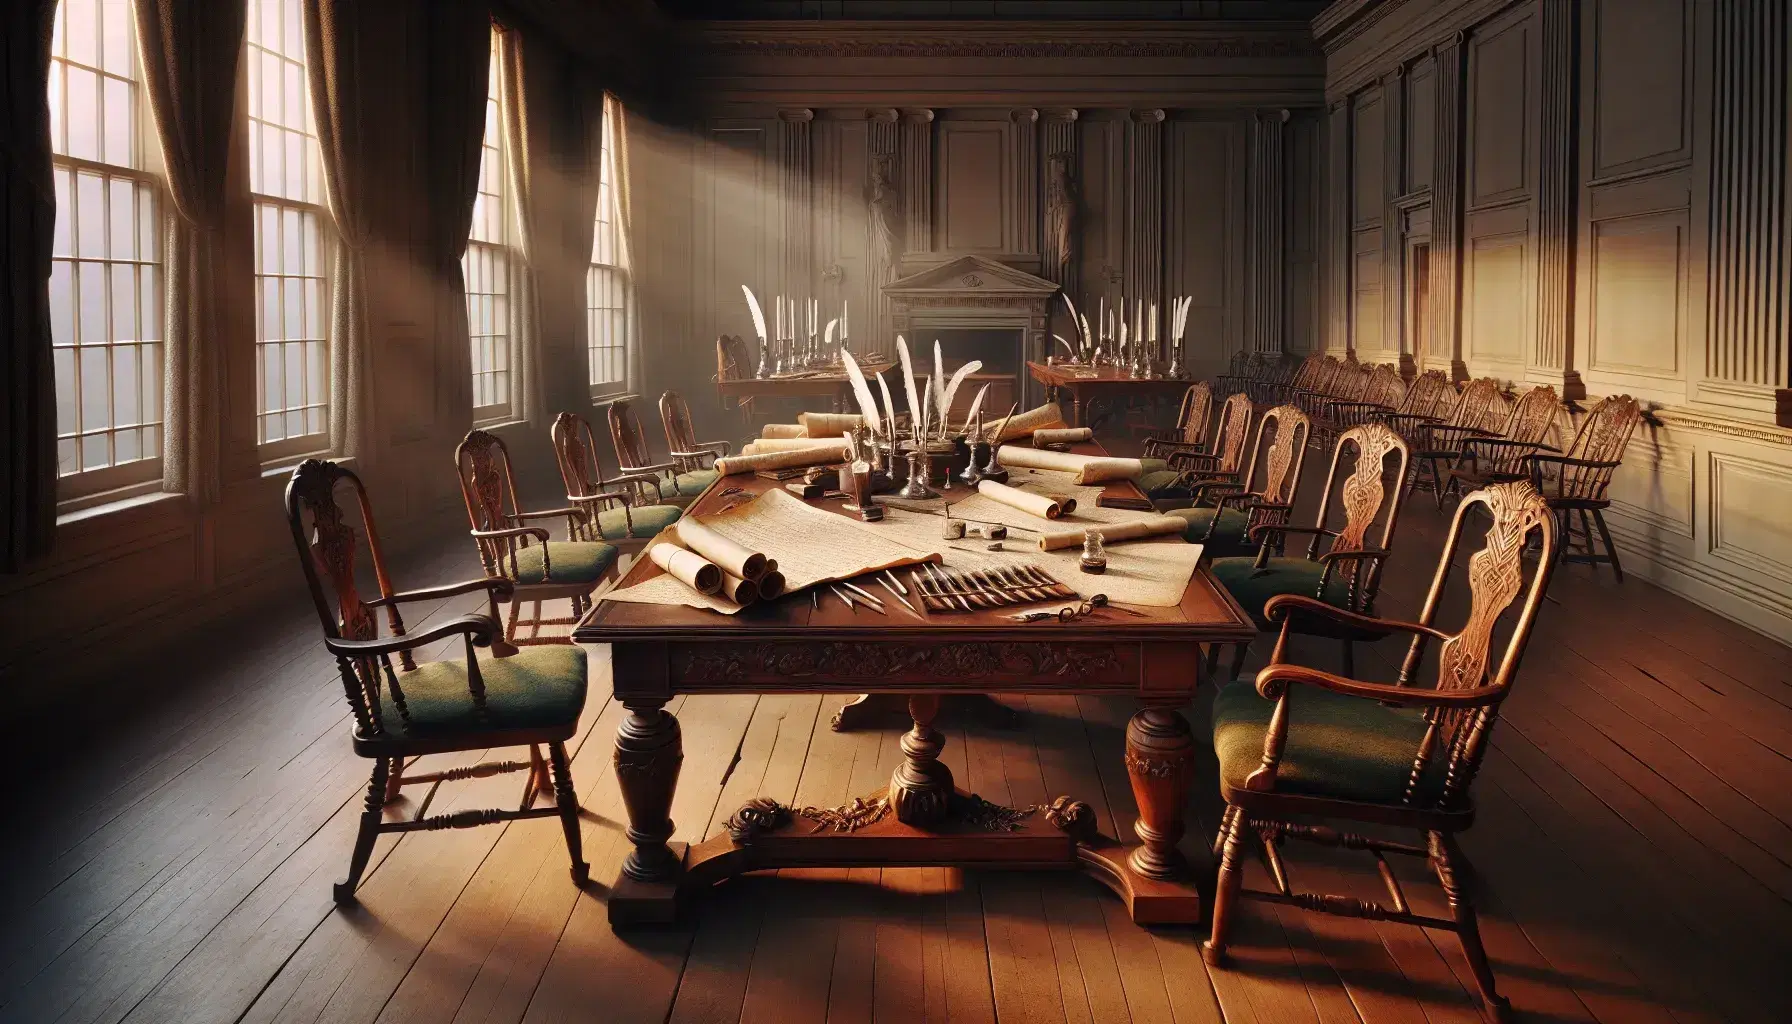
x=1589, y=194
x=1192, y=154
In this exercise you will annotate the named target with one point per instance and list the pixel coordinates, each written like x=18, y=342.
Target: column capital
x=917, y=115
x=796, y=115
x=1024, y=115
x=887, y=115
x=1060, y=113
x=1151, y=115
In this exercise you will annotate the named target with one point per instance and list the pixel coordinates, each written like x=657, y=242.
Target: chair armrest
x=581, y=499
x=1563, y=460
x=705, y=453
x=570, y=512
x=515, y=531
x=1282, y=605
x=657, y=467
x=1178, y=459
x=1500, y=442
x=1174, y=447
x=1378, y=554
x=497, y=585
x=482, y=629
x=643, y=478
x=1273, y=681
x=1256, y=532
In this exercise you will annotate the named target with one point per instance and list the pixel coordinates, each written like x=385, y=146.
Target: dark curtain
x=27, y=222
x=190, y=50
x=459, y=36
x=334, y=49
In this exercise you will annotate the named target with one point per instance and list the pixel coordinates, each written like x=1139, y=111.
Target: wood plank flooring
x=1634, y=856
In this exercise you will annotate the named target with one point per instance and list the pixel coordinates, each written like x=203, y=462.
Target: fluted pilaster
x=885, y=137
x=1446, y=208
x=1552, y=362
x=1145, y=205
x=1266, y=234
x=1337, y=227
x=797, y=200
x=917, y=179
x=1060, y=143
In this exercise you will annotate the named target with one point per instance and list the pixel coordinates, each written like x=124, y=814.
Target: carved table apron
x=921, y=819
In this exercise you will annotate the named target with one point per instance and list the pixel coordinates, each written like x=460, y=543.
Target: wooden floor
x=1634, y=849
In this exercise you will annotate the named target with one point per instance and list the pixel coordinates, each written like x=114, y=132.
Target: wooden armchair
x=1485, y=460
x=1429, y=399
x=538, y=569
x=1300, y=743
x=1189, y=435
x=1240, y=371
x=687, y=452
x=1226, y=514
x=1280, y=388
x=507, y=698
x=625, y=510
x=1577, y=480
x=1225, y=464
x=677, y=486
x=1348, y=574
x=1479, y=411
x=1382, y=391
x=1274, y=378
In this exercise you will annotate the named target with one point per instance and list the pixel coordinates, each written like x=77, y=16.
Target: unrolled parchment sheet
x=812, y=545
x=814, y=455
x=1061, y=435
x=1023, y=424
x=1089, y=469
x=670, y=590
x=767, y=445
x=1042, y=505
x=829, y=424
x=1114, y=533
x=699, y=573
x=783, y=431
x=736, y=559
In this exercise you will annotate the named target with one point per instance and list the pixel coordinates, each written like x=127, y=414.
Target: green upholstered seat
x=1253, y=587
x=1228, y=537
x=570, y=561
x=1158, y=480
x=648, y=521
x=536, y=688
x=692, y=483
x=1346, y=748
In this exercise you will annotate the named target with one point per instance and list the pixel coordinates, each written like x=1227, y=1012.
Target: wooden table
x=791, y=646
x=832, y=385
x=1088, y=384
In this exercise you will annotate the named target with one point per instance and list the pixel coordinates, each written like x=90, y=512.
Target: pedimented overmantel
x=972, y=301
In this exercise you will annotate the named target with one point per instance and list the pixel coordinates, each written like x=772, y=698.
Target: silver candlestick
x=917, y=488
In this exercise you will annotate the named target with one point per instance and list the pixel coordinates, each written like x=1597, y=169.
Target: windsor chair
x=677, y=485
x=625, y=510
x=1581, y=476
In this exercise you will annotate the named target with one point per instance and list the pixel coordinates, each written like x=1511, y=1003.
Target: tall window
x=286, y=180
x=606, y=282
x=486, y=266
x=105, y=275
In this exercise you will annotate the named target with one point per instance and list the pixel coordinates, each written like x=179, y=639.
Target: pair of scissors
x=1071, y=612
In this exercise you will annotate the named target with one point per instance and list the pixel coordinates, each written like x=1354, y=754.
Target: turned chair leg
x=567, y=799
x=1225, y=893
x=371, y=814
x=395, y=779
x=1611, y=550
x=1453, y=875
x=1238, y=653
x=516, y=607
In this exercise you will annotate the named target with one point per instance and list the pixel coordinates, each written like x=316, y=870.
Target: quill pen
x=889, y=409
x=908, y=382
x=945, y=402
x=758, y=314
x=860, y=389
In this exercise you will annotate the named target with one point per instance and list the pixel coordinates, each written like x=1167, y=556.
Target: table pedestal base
x=765, y=835
x=874, y=710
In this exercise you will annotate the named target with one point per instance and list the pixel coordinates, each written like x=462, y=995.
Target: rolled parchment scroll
x=767, y=445
x=771, y=584
x=734, y=559
x=1061, y=435
x=1113, y=533
x=738, y=590
x=1041, y=505
x=1089, y=469
x=783, y=431
x=813, y=455
x=1023, y=424
x=697, y=572
x=829, y=424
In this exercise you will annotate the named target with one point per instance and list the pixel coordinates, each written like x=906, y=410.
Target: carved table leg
x=921, y=787
x=870, y=710
x=649, y=752
x=1160, y=761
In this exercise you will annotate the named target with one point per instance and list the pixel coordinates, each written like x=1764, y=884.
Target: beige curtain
x=190, y=50
x=620, y=165
x=458, y=36
x=584, y=147
x=334, y=49
x=27, y=222
x=527, y=137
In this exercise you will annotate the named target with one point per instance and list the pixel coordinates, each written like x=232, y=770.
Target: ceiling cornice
x=1005, y=39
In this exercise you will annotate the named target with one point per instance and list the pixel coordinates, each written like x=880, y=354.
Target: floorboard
x=1633, y=855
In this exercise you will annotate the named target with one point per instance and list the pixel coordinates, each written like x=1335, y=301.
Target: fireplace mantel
x=975, y=293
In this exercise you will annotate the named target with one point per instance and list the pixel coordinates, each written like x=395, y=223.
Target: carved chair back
x=1384, y=387
x=575, y=452
x=676, y=415
x=1527, y=426
x=1277, y=453
x=1365, y=495
x=1232, y=432
x=483, y=464
x=1196, y=412
x=1480, y=405
x=1457, y=735
x=1309, y=370
x=1598, y=447
x=1426, y=395
x=626, y=437
x=325, y=540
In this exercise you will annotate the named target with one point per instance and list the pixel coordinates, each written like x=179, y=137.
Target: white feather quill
x=758, y=314
x=937, y=384
x=827, y=342
x=889, y=409
x=970, y=416
x=1067, y=346
x=921, y=432
x=1088, y=339
x=860, y=389
x=945, y=404
x=908, y=382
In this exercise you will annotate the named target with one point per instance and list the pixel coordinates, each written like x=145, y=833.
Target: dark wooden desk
x=1108, y=382
x=832, y=385
x=790, y=646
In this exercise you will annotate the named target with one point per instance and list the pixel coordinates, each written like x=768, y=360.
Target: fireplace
x=978, y=309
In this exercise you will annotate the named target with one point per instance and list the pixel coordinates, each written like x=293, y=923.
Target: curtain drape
x=526, y=112
x=190, y=50
x=621, y=163
x=27, y=223
x=584, y=150
x=334, y=50
x=458, y=73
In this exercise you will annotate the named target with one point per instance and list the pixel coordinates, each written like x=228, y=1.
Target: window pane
x=606, y=283
x=83, y=115
x=117, y=118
